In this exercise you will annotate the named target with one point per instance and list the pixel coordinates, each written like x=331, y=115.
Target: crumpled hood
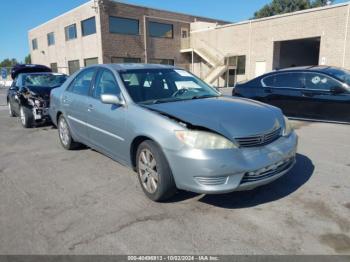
x=232, y=117
x=40, y=91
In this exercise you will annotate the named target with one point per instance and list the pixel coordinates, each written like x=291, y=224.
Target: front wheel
x=27, y=118
x=11, y=113
x=154, y=173
x=65, y=134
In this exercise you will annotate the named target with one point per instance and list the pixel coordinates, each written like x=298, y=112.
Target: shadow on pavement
x=278, y=189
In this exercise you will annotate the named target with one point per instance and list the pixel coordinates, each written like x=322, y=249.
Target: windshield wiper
x=160, y=101
x=204, y=96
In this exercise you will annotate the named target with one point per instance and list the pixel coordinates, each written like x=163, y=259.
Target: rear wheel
x=26, y=115
x=11, y=113
x=154, y=173
x=65, y=134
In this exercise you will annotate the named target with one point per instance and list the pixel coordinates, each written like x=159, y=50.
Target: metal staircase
x=215, y=59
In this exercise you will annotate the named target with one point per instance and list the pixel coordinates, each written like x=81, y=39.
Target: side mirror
x=337, y=90
x=112, y=100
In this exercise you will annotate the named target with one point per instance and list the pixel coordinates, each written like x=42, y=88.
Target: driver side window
x=105, y=84
x=317, y=81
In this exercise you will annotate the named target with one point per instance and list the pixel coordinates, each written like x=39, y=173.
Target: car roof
x=317, y=68
x=136, y=66
x=28, y=68
x=44, y=73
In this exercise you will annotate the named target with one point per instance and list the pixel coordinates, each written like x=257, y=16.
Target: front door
x=106, y=123
x=328, y=105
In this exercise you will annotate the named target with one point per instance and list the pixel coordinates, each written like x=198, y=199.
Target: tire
x=154, y=173
x=64, y=134
x=26, y=116
x=11, y=113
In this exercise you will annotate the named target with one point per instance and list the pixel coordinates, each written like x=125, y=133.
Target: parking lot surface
x=54, y=201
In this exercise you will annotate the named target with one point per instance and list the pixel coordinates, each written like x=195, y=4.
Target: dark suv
x=29, y=95
x=317, y=92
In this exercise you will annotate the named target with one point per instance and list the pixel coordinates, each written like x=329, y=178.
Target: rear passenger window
x=81, y=84
x=269, y=81
x=289, y=80
x=105, y=84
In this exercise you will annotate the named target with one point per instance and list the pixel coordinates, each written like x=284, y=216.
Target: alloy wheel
x=148, y=173
x=64, y=131
x=23, y=117
x=10, y=108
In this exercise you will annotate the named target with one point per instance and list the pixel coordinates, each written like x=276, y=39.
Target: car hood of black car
x=40, y=91
x=229, y=116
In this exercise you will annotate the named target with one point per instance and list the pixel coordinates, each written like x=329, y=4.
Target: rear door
x=106, y=123
x=75, y=103
x=327, y=104
x=284, y=90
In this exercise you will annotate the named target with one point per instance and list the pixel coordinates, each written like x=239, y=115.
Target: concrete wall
x=64, y=51
x=256, y=38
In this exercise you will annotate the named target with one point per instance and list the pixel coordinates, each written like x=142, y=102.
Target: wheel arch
x=137, y=141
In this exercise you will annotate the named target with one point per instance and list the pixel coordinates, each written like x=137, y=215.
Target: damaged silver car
x=173, y=129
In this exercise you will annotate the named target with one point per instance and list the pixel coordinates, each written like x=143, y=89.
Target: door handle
x=90, y=108
x=307, y=93
x=65, y=99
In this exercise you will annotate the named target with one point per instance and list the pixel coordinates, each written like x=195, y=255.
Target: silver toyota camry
x=174, y=130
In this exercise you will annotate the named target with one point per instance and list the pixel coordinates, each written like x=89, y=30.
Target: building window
x=239, y=62
x=73, y=66
x=122, y=60
x=160, y=30
x=91, y=61
x=71, y=32
x=125, y=26
x=51, y=38
x=54, y=67
x=162, y=61
x=35, y=44
x=88, y=26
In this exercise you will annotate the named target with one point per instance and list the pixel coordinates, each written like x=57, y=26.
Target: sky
x=17, y=17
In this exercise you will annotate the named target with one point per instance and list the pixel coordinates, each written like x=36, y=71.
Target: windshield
x=151, y=86
x=44, y=80
x=341, y=74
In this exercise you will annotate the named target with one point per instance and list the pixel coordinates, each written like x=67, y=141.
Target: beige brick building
x=111, y=32
x=220, y=53
x=241, y=51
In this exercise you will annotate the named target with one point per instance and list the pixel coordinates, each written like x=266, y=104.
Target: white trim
x=96, y=128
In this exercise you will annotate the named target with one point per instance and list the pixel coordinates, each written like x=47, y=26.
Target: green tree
x=8, y=62
x=277, y=7
x=28, y=59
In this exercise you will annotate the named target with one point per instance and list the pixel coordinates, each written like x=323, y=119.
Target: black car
x=29, y=94
x=314, y=92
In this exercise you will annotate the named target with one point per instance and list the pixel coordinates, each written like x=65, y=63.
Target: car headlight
x=204, y=140
x=288, y=128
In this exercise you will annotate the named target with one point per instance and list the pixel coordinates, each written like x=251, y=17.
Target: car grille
x=259, y=140
x=212, y=181
x=268, y=171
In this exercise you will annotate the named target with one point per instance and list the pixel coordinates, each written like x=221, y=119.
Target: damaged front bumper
x=40, y=109
x=223, y=171
x=41, y=114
